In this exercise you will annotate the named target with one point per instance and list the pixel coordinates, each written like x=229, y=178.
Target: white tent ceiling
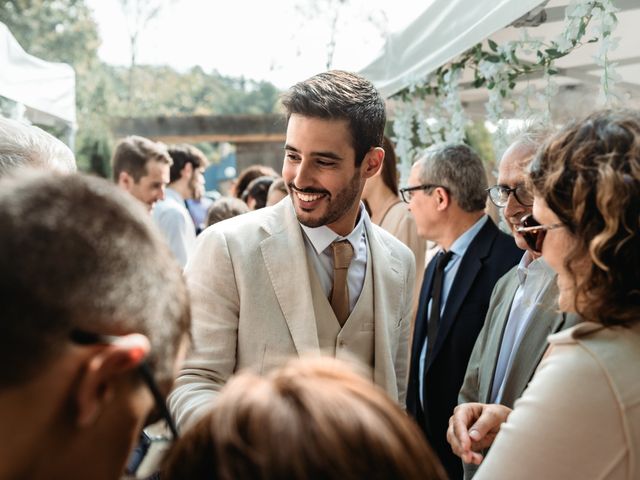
x=449, y=27
x=46, y=89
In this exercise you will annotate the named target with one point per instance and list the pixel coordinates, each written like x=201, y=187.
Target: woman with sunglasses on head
x=580, y=416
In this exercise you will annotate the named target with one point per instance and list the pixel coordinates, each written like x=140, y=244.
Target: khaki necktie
x=342, y=255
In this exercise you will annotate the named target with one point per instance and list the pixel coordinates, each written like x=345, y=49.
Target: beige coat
x=252, y=305
x=580, y=416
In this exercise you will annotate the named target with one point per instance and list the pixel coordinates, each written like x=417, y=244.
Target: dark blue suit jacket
x=490, y=255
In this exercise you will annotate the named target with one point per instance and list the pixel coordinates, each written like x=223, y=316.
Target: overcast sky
x=260, y=39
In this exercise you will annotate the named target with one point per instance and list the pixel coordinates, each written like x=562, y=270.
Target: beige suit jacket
x=252, y=305
x=580, y=416
x=546, y=320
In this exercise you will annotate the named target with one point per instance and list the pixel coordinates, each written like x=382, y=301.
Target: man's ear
x=187, y=170
x=125, y=181
x=372, y=162
x=103, y=370
x=442, y=197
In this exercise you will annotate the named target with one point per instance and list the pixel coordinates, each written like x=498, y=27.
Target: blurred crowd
x=324, y=322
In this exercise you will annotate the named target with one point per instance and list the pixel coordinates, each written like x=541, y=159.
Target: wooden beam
x=213, y=138
x=211, y=128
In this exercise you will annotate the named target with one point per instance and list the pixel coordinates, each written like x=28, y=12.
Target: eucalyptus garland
x=430, y=111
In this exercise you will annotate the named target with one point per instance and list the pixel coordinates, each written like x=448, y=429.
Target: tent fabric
x=444, y=30
x=47, y=89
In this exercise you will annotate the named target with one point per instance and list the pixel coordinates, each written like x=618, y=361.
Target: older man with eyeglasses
x=523, y=309
x=447, y=197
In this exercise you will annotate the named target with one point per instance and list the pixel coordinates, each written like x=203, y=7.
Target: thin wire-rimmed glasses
x=499, y=195
x=82, y=337
x=534, y=233
x=407, y=193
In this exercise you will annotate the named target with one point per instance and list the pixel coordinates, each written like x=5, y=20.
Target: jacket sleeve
x=215, y=312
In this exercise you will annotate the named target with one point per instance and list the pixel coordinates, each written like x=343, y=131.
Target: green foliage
x=479, y=138
x=64, y=31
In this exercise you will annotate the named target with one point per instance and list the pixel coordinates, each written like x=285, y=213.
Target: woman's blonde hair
x=311, y=419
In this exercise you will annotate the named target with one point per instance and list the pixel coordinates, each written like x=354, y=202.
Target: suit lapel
x=495, y=341
x=533, y=344
x=290, y=282
x=387, y=278
x=470, y=265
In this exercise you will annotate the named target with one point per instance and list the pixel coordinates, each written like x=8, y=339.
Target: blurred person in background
x=387, y=210
x=277, y=191
x=141, y=167
x=24, y=145
x=171, y=213
x=224, y=208
x=249, y=174
x=312, y=418
x=255, y=195
x=580, y=415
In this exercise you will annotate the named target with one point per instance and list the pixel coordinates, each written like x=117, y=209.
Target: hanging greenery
x=430, y=111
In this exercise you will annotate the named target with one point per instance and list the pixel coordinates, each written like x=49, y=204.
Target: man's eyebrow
x=331, y=155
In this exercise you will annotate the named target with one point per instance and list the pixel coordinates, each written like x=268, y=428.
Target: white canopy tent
x=45, y=89
x=447, y=28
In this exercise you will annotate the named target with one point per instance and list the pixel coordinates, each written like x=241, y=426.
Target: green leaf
x=583, y=28
x=503, y=93
x=490, y=85
x=552, y=71
x=493, y=58
x=493, y=45
x=478, y=82
x=512, y=85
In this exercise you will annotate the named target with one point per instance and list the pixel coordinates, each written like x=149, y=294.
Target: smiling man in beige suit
x=269, y=285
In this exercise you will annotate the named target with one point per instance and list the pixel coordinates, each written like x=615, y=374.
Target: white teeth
x=306, y=197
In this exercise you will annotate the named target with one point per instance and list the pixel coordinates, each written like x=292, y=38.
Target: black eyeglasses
x=407, y=193
x=499, y=195
x=534, y=233
x=82, y=337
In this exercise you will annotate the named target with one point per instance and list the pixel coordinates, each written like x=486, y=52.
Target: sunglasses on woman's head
x=534, y=233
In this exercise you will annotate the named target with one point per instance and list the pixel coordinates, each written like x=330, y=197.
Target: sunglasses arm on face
x=534, y=233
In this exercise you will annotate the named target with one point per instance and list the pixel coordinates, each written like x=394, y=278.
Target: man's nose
x=304, y=174
x=513, y=207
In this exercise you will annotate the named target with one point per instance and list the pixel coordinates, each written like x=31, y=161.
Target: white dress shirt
x=533, y=276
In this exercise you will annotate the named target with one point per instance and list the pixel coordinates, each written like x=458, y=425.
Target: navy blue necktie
x=436, y=295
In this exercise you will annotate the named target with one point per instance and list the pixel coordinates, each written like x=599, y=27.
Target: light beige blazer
x=580, y=416
x=252, y=304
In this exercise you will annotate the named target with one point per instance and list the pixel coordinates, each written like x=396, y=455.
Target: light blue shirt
x=459, y=248
x=318, y=246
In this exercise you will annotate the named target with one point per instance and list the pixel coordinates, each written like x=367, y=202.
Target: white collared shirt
x=318, y=246
x=534, y=276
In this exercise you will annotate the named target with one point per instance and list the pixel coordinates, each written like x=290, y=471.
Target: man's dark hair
x=338, y=95
x=77, y=253
x=132, y=155
x=183, y=154
x=258, y=189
